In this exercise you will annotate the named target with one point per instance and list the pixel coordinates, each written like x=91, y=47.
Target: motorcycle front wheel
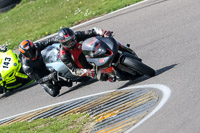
x=138, y=66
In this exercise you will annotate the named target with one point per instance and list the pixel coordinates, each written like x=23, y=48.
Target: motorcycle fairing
x=9, y=69
x=100, y=50
x=8, y=63
x=50, y=56
x=52, y=61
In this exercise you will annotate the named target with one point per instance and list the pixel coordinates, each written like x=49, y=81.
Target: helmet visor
x=31, y=53
x=69, y=42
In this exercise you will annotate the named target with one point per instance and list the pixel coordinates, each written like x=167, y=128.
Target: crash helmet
x=28, y=50
x=67, y=38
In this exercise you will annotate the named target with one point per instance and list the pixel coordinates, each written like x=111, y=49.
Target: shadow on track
x=158, y=72
x=162, y=70
x=17, y=90
x=82, y=84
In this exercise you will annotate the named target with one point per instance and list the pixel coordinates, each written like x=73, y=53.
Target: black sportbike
x=114, y=61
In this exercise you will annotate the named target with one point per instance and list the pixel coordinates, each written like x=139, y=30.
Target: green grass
x=73, y=123
x=34, y=19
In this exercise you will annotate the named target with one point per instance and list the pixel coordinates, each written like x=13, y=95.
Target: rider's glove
x=84, y=72
x=3, y=48
x=103, y=33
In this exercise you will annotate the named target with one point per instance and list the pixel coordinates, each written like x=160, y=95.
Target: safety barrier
x=6, y=5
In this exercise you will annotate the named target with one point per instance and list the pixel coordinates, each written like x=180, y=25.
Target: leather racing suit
x=37, y=70
x=74, y=59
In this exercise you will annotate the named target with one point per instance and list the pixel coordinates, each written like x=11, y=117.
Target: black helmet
x=28, y=50
x=66, y=37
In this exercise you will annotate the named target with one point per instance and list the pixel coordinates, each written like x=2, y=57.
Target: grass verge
x=73, y=123
x=34, y=19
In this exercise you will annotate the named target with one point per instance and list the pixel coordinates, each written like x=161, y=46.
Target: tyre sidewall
x=137, y=66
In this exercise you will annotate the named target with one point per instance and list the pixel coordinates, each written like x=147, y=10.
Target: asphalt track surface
x=165, y=34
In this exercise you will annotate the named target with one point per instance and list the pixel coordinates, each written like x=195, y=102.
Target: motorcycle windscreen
x=96, y=51
x=52, y=61
x=95, y=48
x=50, y=54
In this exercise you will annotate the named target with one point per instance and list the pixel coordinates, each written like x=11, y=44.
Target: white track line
x=79, y=25
x=133, y=5
x=166, y=94
x=164, y=89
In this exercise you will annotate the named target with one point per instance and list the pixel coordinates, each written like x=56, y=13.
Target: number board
x=6, y=62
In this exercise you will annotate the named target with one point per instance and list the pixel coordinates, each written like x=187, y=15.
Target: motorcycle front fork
x=109, y=74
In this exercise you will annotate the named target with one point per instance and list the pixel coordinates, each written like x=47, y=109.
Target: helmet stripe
x=31, y=43
x=66, y=35
x=21, y=50
x=24, y=42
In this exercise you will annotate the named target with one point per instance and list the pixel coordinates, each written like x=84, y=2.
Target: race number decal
x=6, y=62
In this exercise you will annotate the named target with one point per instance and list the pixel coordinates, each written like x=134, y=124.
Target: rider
x=35, y=68
x=71, y=49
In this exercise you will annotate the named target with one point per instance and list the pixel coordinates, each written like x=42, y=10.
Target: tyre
x=138, y=66
x=6, y=5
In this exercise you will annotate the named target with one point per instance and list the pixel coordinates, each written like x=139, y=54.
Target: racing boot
x=51, y=89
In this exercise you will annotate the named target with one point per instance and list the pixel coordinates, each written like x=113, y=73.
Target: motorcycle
x=114, y=61
x=12, y=76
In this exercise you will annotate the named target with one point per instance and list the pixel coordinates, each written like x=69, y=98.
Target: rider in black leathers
x=34, y=67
